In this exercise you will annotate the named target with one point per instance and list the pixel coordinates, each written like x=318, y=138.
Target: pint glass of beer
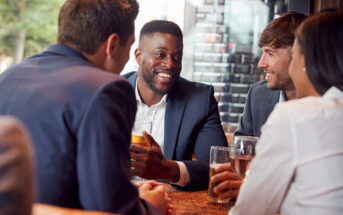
x=218, y=156
x=139, y=140
x=136, y=138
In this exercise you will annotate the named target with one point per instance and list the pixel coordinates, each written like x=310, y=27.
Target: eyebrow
x=270, y=50
x=163, y=48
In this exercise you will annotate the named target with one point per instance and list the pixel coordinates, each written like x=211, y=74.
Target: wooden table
x=194, y=203
x=184, y=203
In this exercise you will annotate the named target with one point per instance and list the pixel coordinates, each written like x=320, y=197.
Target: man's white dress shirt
x=298, y=168
x=282, y=97
x=151, y=119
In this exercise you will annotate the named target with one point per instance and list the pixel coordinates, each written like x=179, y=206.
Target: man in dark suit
x=181, y=116
x=276, y=43
x=79, y=112
x=259, y=104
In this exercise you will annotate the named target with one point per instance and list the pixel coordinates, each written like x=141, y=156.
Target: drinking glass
x=137, y=138
x=242, y=152
x=218, y=156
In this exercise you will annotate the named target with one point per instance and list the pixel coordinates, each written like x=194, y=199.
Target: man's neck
x=148, y=97
x=289, y=94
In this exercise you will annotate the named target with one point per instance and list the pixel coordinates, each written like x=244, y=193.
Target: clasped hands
x=154, y=193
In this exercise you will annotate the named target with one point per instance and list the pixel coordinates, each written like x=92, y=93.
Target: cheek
x=291, y=71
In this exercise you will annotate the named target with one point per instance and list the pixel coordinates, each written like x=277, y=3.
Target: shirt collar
x=282, y=97
x=139, y=99
x=333, y=92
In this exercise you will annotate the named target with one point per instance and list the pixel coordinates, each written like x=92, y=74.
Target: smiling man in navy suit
x=180, y=117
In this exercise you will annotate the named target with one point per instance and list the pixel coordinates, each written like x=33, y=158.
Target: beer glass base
x=218, y=200
x=229, y=201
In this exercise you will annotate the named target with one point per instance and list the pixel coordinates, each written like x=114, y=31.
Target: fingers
x=170, y=206
x=138, y=164
x=156, y=197
x=150, y=139
x=134, y=147
x=152, y=183
x=139, y=183
x=231, y=193
x=160, y=188
x=227, y=184
x=224, y=167
x=144, y=187
x=226, y=175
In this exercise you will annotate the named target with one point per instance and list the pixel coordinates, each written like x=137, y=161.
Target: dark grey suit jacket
x=80, y=121
x=192, y=124
x=259, y=104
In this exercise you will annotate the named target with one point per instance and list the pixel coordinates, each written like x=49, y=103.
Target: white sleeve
x=271, y=170
x=184, y=175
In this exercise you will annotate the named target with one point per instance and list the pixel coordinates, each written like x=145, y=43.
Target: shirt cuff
x=184, y=175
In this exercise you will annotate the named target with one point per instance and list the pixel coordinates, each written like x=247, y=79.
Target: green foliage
x=39, y=20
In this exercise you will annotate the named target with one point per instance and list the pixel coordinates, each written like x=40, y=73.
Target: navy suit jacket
x=259, y=104
x=192, y=124
x=80, y=121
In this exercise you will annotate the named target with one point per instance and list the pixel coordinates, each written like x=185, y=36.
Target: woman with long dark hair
x=298, y=168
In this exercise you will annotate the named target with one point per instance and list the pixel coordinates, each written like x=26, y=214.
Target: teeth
x=165, y=75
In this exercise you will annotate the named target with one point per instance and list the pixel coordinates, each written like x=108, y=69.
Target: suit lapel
x=172, y=121
x=273, y=101
x=132, y=79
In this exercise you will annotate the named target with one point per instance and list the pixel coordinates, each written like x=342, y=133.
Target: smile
x=268, y=76
x=164, y=75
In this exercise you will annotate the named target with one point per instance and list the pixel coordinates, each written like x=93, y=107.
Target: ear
x=112, y=44
x=138, y=55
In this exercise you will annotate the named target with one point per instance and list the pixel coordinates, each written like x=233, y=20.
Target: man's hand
x=154, y=193
x=230, y=182
x=149, y=162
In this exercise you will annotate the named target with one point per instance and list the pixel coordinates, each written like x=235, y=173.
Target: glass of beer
x=137, y=138
x=140, y=140
x=218, y=156
x=242, y=152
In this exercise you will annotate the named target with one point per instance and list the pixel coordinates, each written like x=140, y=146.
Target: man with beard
x=276, y=43
x=179, y=117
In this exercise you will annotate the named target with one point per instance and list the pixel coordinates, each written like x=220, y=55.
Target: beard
x=149, y=79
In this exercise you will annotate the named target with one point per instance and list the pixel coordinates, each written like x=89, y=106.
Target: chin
x=272, y=86
x=162, y=91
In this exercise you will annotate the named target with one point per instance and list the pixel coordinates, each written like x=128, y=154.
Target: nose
x=262, y=63
x=168, y=62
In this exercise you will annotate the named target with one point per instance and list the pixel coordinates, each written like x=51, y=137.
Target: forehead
x=268, y=48
x=160, y=40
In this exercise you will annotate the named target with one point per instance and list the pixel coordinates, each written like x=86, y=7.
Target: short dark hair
x=161, y=26
x=321, y=40
x=280, y=32
x=85, y=24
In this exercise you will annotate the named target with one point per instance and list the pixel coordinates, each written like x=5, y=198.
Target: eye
x=159, y=54
x=270, y=54
x=178, y=58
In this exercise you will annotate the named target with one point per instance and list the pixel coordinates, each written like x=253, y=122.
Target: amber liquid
x=241, y=164
x=139, y=140
x=214, y=197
